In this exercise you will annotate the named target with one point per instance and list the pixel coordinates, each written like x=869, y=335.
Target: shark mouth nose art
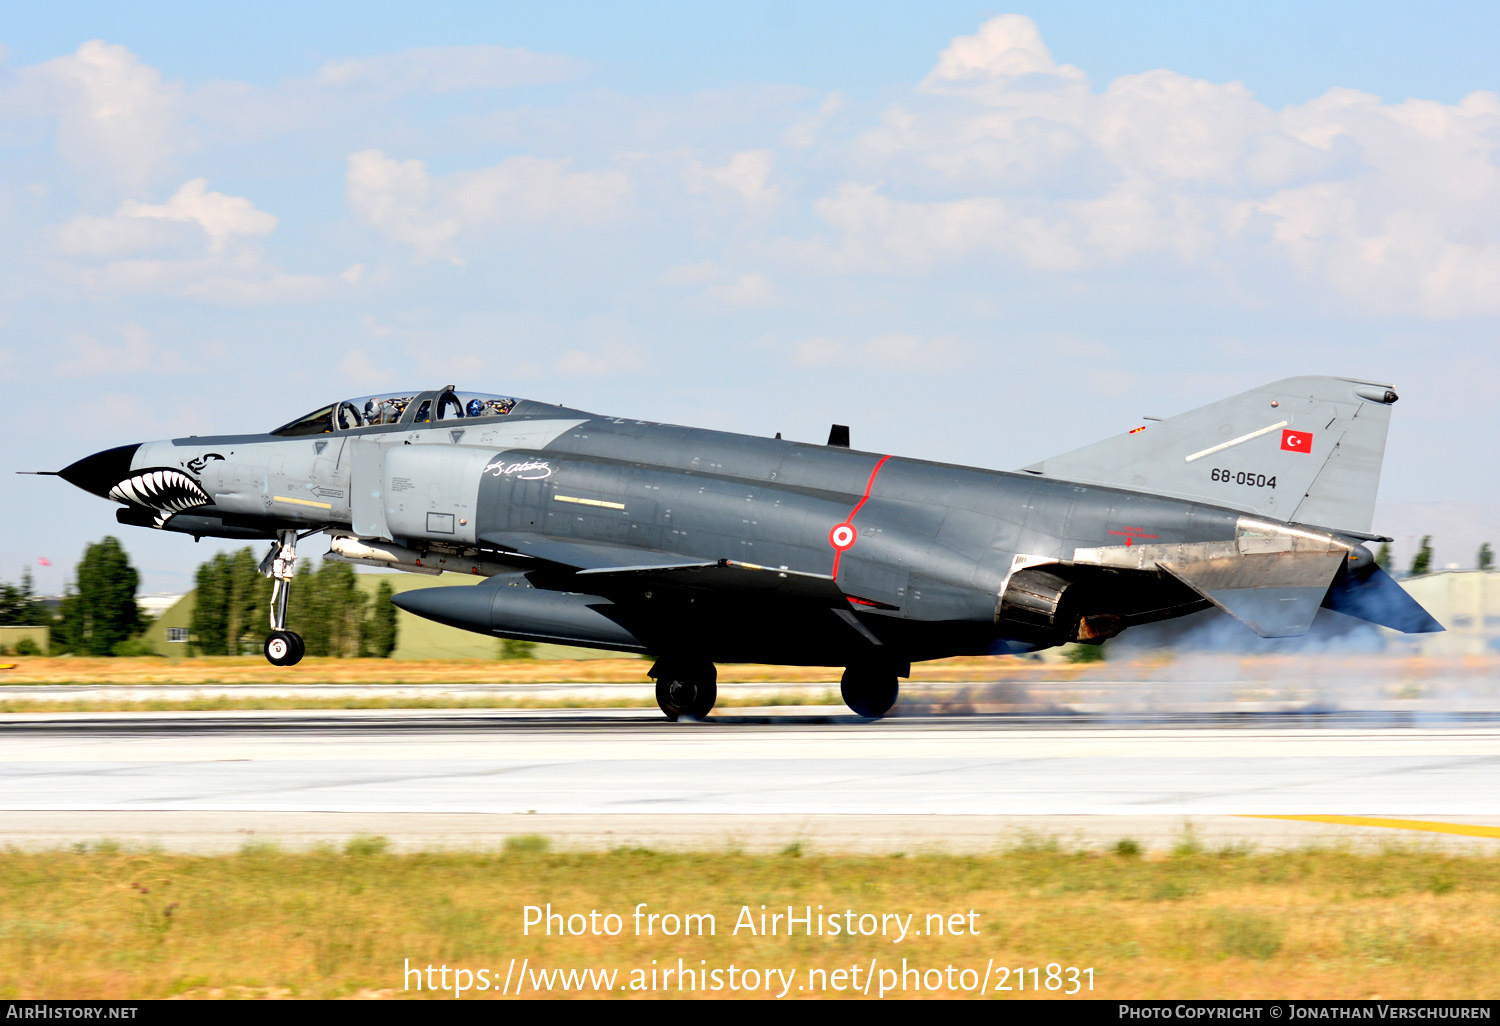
x=164, y=489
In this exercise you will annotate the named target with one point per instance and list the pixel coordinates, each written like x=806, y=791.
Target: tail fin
x=1306, y=450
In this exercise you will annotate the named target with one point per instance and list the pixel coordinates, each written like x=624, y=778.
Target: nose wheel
x=283, y=647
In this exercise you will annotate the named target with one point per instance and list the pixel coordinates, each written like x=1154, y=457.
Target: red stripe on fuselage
x=869, y=486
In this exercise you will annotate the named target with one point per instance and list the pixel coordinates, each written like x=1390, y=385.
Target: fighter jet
x=697, y=547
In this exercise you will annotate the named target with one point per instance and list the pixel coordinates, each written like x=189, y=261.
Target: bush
x=512, y=649
x=1084, y=653
x=527, y=844
x=367, y=844
x=27, y=647
x=133, y=646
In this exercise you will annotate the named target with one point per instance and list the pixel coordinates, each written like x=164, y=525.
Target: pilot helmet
x=475, y=407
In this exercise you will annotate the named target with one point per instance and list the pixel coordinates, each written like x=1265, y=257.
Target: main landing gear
x=870, y=691
x=283, y=647
x=685, y=688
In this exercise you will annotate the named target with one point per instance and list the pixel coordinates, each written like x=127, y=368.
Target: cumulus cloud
x=221, y=217
x=752, y=289
x=1003, y=153
x=447, y=69
x=896, y=351
x=721, y=287
x=357, y=370
x=1004, y=48
x=872, y=232
x=196, y=244
x=116, y=118
x=135, y=354
x=746, y=175
x=700, y=273
x=240, y=280
x=406, y=203
x=608, y=360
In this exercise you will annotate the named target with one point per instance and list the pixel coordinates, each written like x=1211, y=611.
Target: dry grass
x=218, y=703
x=102, y=923
x=625, y=670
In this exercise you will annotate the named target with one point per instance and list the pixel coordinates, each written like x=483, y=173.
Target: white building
x=1467, y=603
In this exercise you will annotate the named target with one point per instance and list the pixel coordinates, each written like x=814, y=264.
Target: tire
x=301, y=648
x=869, y=693
x=283, y=648
x=687, y=692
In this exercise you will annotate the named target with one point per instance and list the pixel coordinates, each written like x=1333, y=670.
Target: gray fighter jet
x=698, y=547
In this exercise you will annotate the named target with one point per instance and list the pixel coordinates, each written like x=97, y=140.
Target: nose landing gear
x=283, y=647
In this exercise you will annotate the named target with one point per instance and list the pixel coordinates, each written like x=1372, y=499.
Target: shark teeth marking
x=166, y=490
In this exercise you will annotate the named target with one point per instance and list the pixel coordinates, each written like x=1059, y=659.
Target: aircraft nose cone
x=462, y=606
x=102, y=471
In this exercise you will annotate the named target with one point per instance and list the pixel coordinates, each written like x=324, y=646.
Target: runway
x=209, y=781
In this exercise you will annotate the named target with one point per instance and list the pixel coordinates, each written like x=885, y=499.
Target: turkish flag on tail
x=1296, y=441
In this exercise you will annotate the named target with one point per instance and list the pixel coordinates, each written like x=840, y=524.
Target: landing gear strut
x=870, y=691
x=685, y=688
x=283, y=647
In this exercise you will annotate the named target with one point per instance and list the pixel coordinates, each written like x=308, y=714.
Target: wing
x=604, y=569
x=651, y=590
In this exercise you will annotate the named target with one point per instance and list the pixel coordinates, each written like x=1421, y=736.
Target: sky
x=979, y=235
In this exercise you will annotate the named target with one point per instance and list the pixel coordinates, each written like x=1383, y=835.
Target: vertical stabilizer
x=1306, y=450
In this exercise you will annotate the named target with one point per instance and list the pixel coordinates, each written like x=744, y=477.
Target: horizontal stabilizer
x=1275, y=594
x=1379, y=599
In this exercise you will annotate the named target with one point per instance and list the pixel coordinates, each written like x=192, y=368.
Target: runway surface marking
x=1466, y=829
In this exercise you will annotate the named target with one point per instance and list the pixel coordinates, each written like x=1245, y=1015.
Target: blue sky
x=975, y=234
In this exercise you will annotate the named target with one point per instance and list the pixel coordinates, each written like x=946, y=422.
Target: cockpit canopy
x=399, y=407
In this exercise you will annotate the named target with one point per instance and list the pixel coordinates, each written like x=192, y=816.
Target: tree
x=1422, y=561
x=328, y=608
x=100, y=611
x=380, y=627
x=210, y=626
x=1383, y=557
x=232, y=606
x=248, y=609
x=306, y=612
x=1486, y=558
x=19, y=606
x=344, y=608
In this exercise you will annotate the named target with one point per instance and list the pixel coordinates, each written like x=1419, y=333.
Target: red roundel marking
x=842, y=536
